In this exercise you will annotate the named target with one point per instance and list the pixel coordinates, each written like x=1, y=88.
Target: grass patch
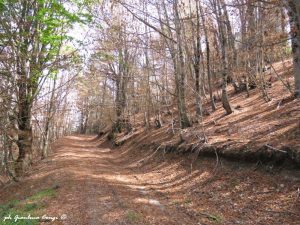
x=17, y=208
x=42, y=194
x=133, y=217
x=214, y=218
x=31, y=206
x=174, y=202
x=187, y=201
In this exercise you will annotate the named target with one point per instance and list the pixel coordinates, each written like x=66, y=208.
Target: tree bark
x=294, y=15
x=122, y=76
x=24, y=141
x=49, y=115
x=225, y=99
x=212, y=101
x=180, y=74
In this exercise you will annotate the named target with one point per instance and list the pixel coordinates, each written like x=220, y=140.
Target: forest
x=177, y=111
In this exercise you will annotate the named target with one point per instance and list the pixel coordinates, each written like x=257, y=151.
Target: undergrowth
x=32, y=206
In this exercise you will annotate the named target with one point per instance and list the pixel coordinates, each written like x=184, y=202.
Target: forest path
x=95, y=188
x=95, y=184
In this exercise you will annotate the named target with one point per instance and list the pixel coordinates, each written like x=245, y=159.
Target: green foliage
x=48, y=24
x=53, y=74
x=2, y=5
x=30, y=206
x=56, y=21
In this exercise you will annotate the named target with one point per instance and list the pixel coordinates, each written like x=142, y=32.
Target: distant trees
x=114, y=58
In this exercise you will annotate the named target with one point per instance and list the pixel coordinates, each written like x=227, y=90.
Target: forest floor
x=258, y=131
x=85, y=181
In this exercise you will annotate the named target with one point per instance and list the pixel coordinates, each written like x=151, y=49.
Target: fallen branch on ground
x=275, y=149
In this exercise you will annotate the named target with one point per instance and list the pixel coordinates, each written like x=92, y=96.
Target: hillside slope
x=256, y=131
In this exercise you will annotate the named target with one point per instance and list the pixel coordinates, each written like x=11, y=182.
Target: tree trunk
x=294, y=14
x=225, y=99
x=230, y=35
x=198, y=97
x=118, y=124
x=197, y=55
x=49, y=115
x=178, y=63
x=212, y=101
x=24, y=141
x=180, y=74
x=121, y=79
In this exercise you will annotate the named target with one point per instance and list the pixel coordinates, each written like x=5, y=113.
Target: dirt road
x=96, y=185
x=96, y=189
x=93, y=188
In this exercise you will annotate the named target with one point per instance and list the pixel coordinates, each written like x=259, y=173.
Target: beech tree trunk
x=294, y=14
x=224, y=57
x=212, y=101
x=197, y=55
x=121, y=79
x=24, y=141
x=180, y=73
x=49, y=115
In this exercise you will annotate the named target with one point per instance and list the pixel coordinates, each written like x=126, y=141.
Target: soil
x=97, y=184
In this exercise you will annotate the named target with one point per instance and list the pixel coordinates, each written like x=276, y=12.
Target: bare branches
x=147, y=23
